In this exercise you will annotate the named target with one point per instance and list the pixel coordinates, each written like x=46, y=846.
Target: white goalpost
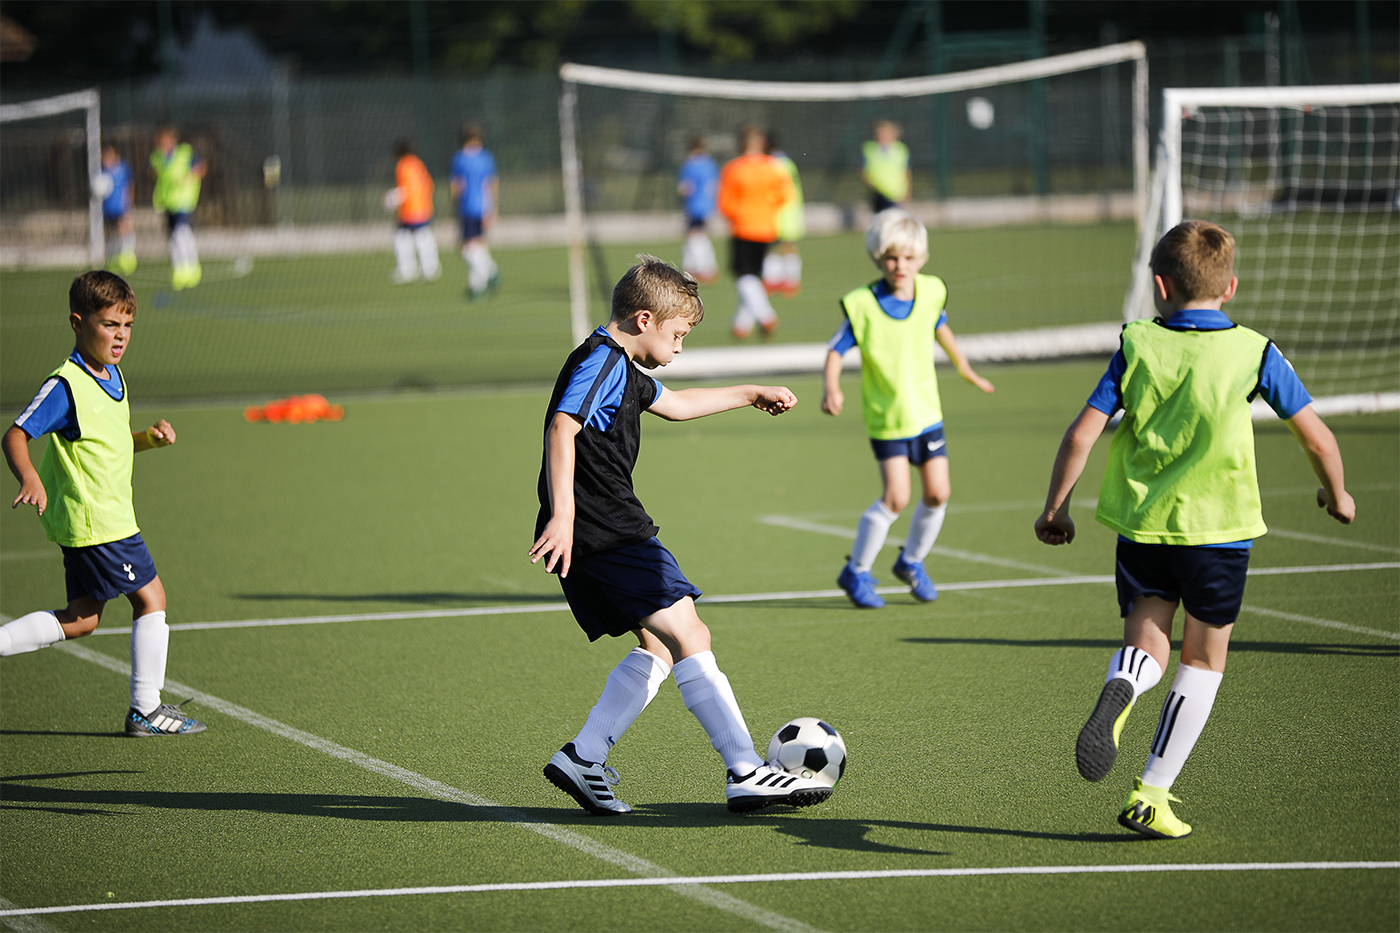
x=1307, y=179
x=706, y=91
x=90, y=103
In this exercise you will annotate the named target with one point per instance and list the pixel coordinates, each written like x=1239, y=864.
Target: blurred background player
x=82, y=492
x=412, y=196
x=752, y=190
x=782, y=269
x=1182, y=491
x=113, y=186
x=884, y=166
x=475, y=187
x=697, y=183
x=895, y=321
x=178, y=172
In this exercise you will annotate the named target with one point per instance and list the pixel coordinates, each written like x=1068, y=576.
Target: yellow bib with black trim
x=1181, y=466
x=899, y=392
x=88, y=480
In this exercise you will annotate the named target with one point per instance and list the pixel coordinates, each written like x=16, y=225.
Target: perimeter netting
x=1309, y=184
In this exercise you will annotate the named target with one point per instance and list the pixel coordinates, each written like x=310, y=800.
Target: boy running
x=82, y=491
x=475, y=187
x=895, y=321
x=1181, y=491
x=618, y=578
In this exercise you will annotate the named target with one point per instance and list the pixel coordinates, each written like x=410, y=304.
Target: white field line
x=1333, y=542
x=1326, y=623
x=782, y=878
x=21, y=923
x=758, y=598
x=624, y=860
x=839, y=531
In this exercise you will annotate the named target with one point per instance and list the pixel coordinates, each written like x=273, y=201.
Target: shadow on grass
x=1270, y=647
x=810, y=830
x=417, y=599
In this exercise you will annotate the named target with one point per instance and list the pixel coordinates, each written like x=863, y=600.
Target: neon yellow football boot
x=1097, y=747
x=1148, y=811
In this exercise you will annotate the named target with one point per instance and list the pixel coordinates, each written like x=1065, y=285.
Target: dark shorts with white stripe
x=919, y=450
x=1208, y=581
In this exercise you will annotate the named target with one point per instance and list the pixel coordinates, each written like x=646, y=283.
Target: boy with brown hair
x=82, y=491
x=1181, y=490
x=618, y=578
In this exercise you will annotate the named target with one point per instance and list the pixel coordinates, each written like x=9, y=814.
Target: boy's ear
x=1165, y=286
x=644, y=319
x=75, y=321
x=1230, y=292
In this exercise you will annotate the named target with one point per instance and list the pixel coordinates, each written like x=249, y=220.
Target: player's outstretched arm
x=1320, y=445
x=688, y=404
x=160, y=434
x=949, y=343
x=31, y=489
x=1054, y=526
x=557, y=539
x=833, y=400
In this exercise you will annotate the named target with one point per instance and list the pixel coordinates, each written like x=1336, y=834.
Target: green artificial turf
x=960, y=716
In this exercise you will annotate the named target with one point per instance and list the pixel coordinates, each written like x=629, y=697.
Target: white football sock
x=480, y=265
x=630, y=687
x=698, y=256
x=1184, y=715
x=871, y=533
x=1135, y=666
x=923, y=531
x=707, y=694
x=792, y=269
x=183, y=251
x=404, y=255
x=755, y=297
x=29, y=633
x=150, y=644
x=773, y=270
x=427, y=252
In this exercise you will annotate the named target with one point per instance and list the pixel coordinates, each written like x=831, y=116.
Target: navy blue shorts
x=106, y=571
x=612, y=591
x=694, y=223
x=472, y=228
x=919, y=450
x=176, y=220
x=1208, y=581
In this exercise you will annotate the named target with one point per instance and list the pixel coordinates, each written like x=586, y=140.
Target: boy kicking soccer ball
x=895, y=321
x=82, y=491
x=618, y=578
x=1181, y=491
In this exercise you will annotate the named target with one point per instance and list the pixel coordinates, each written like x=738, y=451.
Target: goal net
x=1073, y=124
x=51, y=150
x=1307, y=179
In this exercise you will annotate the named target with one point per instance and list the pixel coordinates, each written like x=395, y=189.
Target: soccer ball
x=809, y=748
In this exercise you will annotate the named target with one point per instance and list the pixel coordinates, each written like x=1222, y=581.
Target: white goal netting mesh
x=1311, y=193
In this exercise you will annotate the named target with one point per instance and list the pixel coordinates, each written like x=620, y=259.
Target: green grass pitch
x=398, y=751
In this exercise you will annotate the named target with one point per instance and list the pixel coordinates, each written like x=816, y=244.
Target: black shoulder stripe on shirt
x=1259, y=382
x=614, y=357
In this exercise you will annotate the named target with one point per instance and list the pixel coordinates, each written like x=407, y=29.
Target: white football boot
x=769, y=785
x=588, y=782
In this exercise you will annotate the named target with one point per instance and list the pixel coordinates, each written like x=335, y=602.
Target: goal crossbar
x=572, y=75
x=89, y=101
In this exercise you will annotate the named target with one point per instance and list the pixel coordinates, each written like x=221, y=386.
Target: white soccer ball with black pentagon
x=809, y=748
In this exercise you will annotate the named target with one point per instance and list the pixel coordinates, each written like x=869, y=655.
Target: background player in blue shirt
x=475, y=187
x=113, y=185
x=697, y=183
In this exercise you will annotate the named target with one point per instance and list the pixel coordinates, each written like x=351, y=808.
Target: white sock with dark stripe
x=707, y=694
x=630, y=687
x=871, y=533
x=923, y=530
x=150, y=645
x=1135, y=666
x=29, y=633
x=1184, y=715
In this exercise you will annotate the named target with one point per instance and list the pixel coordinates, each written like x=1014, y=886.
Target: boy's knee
x=895, y=503
x=935, y=499
x=76, y=626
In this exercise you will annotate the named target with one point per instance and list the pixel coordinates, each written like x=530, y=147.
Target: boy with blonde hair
x=884, y=167
x=618, y=578
x=895, y=321
x=82, y=491
x=1181, y=490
